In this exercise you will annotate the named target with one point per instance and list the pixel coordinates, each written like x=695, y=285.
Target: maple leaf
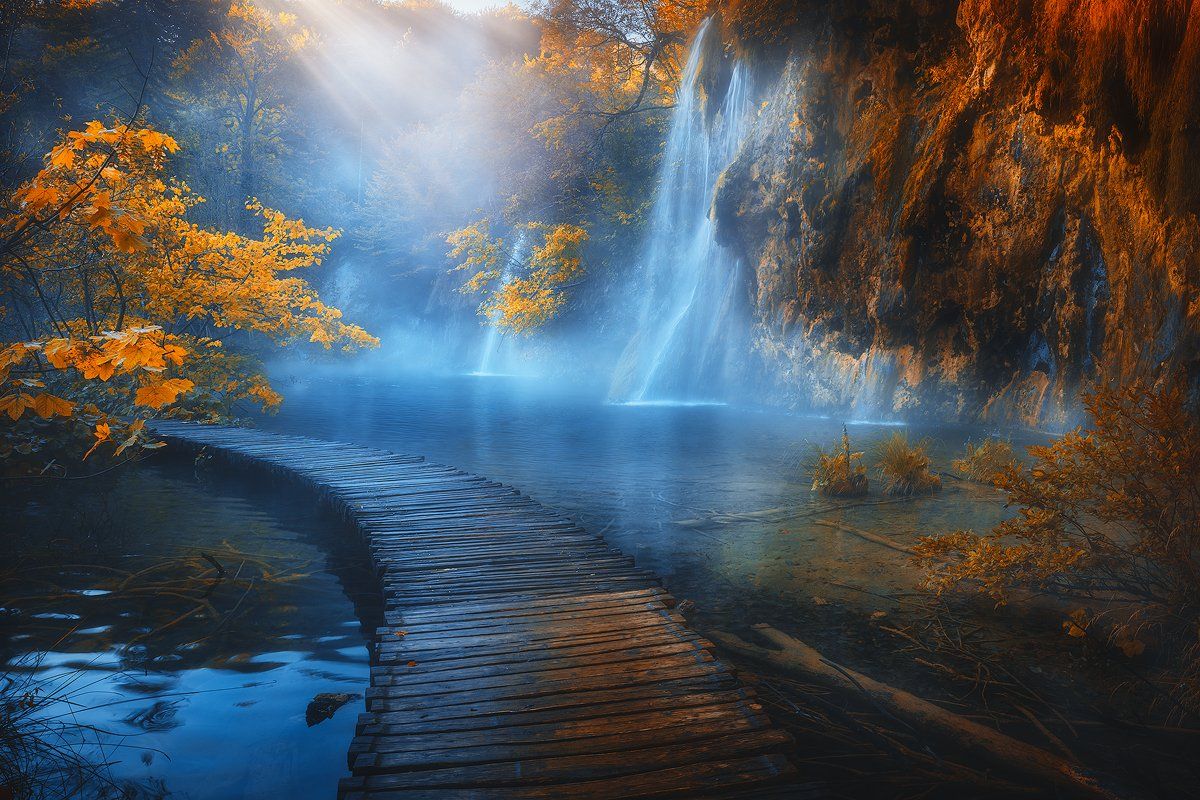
x=126, y=241
x=157, y=395
x=57, y=352
x=97, y=367
x=101, y=433
x=62, y=158
x=47, y=406
x=15, y=404
x=174, y=353
x=38, y=197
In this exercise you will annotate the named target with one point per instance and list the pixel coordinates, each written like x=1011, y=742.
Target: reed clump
x=904, y=466
x=839, y=472
x=984, y=461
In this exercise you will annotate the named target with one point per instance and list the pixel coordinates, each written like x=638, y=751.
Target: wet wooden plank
x=522, y=657
x=590, y=766
x=604, y=707
x=683, y=781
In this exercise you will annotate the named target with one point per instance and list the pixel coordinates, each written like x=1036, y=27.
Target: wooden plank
x=416, y=597
x=605, y=643
x=398, y=722
x=573, y=731
x=531, y=605
x=523, y=657
x=590, y=766
x=686, y=781
x=605, y=650
x=457, y=671
x=528, y=689
x=466, y=705
x=417, y=683
x=415, y=626
x=538, y=636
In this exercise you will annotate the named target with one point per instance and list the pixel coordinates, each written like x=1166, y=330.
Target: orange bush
x=1107, y=515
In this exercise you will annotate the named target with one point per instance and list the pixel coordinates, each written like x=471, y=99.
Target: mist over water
x=670, y=330
x=716, y=499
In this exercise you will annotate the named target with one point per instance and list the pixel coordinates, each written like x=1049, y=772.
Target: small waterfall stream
x=494, y=341
x=686, y=280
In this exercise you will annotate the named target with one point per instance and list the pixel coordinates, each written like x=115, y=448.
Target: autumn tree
x=239, y=71
x=596, y=99
x=122, y=302
x=626, y=55
x=521, y=293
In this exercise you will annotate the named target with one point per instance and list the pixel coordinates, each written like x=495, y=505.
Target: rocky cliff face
x=969, y=212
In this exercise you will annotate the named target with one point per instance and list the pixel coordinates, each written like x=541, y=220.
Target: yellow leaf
x=174, y=353
x=63, y=158
x=39, y=197
x=47, y=406
x=157, y=395
x=57, y=352
x=14, y=405
x=101, y=433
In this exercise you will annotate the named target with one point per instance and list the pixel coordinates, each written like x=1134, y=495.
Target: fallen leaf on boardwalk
x=412, y=663
x=1076, y=626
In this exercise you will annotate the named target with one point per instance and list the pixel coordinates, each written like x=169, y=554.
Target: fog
x=437, y=116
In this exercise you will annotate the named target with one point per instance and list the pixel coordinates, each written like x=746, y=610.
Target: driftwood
x=870, y=536
x=980, y=741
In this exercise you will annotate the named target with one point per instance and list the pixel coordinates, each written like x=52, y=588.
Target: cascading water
x=687, y=281
x=493, y=341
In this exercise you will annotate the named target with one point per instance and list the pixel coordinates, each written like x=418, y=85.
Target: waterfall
x=494, y=341
x=687, y=282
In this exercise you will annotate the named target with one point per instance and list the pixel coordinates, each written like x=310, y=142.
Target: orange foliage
x=761, y=20
x=238, y=70
x=135, y=296
x=622, y=57
x=535, y=293
x=839, y=472
x=1108, y=514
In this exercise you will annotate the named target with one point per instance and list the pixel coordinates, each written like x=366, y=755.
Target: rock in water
x=325, y=705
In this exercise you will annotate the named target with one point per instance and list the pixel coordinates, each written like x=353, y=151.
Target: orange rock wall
x=970, y=212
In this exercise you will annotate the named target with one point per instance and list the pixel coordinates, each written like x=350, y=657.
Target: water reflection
x=182, y=627
x=716, y=499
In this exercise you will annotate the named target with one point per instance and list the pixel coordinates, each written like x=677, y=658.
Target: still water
x=173, y=677
x=194, y=677
x=715, y=499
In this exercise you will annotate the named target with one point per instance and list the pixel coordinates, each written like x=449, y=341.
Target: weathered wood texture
x=522, y=657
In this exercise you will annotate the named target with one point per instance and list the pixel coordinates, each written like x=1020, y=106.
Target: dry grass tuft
x=983, y=462
x=904, y=466
x=839, y=472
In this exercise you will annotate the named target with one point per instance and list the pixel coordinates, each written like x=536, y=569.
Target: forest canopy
x=156, y=233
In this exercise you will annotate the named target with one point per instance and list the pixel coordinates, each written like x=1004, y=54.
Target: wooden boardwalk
x=521, y=657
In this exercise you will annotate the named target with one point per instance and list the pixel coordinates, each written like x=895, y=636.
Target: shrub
x=904, y=466
x=839, y=472
x=985, y=461
x=1109, y=516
